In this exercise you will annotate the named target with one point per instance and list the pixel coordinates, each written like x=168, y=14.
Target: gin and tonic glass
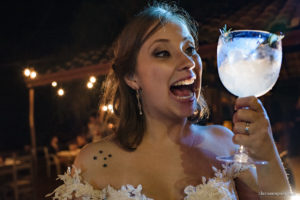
x=249, y=63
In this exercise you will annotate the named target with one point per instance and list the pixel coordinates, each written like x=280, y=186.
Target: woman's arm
x=272, y=179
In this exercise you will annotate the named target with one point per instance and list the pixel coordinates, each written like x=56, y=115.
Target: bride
x=158, y=151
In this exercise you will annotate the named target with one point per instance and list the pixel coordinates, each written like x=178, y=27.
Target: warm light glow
x=110, y=107
x=93, y=79
x=110, y=126
x=90, y=85
x=27, y=72
x=104, y=108
x=295, y=197
x=54, y=83
x=33, y=75
x=60, y=92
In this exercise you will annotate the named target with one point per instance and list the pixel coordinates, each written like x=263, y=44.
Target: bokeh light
x=93, y=79
x=90, y=85
x=27, y=72
x=54, y=84
x=33, y=74
x=104, y=108
x=60, y=92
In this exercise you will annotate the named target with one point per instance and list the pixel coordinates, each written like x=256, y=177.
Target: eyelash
x=190, y=50
x=164, y=53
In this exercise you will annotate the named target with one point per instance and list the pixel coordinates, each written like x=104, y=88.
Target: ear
x=131, y=81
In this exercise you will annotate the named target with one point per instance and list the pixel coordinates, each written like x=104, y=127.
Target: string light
x=54, y=84
x=30, y=73
x=93, y=79
x=33, y=74
x=104, y=108
x=110, y=107
x=60, y=92
x=90, y=85
x=27, y=72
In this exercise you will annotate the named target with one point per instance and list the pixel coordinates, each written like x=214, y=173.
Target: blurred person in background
x=81, y=140
x=54, y=145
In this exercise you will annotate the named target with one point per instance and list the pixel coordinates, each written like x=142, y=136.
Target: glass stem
x=242, y=149
x=241, y=155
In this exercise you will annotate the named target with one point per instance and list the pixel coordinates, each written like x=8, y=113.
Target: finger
x=245, y=115
x=251, y=102
x=240, y=128
x=241, y=139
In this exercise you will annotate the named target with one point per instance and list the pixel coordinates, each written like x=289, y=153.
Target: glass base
x=241, y=158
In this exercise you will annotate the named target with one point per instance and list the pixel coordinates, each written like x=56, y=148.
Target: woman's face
x=169, y=72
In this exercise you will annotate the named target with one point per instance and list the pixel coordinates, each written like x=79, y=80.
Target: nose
x=185, y=62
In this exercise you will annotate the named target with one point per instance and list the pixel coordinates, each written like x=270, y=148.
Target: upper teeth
x=185, y=82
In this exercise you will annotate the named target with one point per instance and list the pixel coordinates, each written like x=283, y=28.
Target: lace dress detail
x=221, y=187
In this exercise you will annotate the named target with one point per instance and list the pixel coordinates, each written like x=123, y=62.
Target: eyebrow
x=160, y=40
x=167, y=40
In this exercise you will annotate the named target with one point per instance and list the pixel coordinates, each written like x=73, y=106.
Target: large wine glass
x=248, y=65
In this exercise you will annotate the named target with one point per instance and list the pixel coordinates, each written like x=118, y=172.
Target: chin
x=187, y=111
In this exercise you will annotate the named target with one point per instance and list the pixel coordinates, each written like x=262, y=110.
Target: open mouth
x=184, y=89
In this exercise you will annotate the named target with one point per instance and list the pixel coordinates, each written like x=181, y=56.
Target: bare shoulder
x=215, y=131
x=219, y=131
x=92, y=152
x=217, y=137
x=98, y=159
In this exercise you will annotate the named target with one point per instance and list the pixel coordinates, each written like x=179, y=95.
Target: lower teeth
x=185, y=97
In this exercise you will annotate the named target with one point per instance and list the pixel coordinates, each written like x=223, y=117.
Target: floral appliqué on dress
x=221, y=187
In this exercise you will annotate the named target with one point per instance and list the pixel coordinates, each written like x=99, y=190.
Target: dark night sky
x=33, y=29
x=38, y=30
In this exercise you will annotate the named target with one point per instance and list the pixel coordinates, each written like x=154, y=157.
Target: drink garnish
x=273, y=39
x=226, y=33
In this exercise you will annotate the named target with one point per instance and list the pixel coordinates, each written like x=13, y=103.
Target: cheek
x=198, y=66
x=153, y=78
x=198, y=62
x=198, y=72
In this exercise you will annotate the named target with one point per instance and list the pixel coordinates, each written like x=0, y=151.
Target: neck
x=160, y=131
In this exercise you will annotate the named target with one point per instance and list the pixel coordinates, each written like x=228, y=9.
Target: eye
x=190, y=51
x=161, y=54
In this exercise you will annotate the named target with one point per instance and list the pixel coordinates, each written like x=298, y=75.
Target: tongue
x=181, y=92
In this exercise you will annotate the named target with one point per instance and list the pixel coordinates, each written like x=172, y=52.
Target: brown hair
x=131, y=126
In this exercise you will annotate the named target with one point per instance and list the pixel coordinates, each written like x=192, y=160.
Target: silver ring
x=247, y=128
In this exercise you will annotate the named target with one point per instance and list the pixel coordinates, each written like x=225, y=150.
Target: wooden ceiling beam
x=69, y=75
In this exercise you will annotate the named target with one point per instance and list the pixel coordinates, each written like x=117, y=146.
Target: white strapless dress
x=220, y=187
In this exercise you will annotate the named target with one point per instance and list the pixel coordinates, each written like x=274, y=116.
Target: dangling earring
x=138, y=101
